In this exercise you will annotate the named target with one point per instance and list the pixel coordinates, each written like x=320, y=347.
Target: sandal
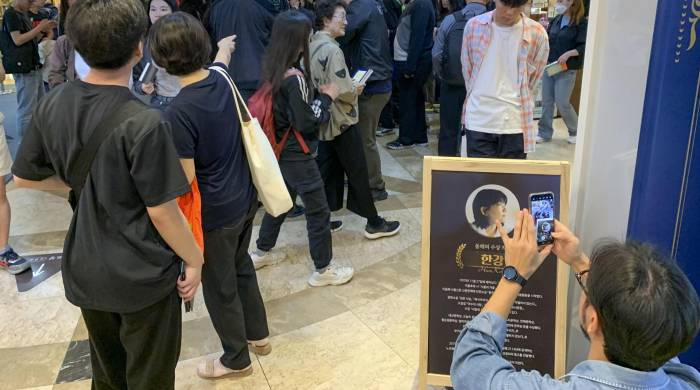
x=213, y=369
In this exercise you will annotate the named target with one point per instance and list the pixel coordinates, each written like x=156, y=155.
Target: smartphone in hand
x=542, y=210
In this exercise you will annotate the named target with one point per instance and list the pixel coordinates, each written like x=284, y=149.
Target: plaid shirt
x=532, y=59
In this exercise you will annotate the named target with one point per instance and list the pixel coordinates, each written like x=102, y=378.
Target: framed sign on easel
x=462, y=258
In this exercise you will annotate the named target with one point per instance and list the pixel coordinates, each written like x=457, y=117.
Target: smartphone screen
x=542, y=209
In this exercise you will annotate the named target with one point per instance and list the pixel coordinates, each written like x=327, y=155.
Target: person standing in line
x=366, y=46
x=567, y=43
x=295, y=107
x=164, y=86
x=125, y=248
x=207, y=135
x=447, y=66
x=61, y=62
x=21, y=59
x=503, y=56
x=340, y=151
x=412, y=56
x=251, y=22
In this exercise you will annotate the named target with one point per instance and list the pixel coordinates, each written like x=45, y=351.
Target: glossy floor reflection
x=363, y=335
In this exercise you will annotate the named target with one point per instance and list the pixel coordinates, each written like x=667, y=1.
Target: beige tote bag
x=263, y=164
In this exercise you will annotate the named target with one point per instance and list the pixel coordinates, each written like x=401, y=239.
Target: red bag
x=261, y=107
x=191, y=206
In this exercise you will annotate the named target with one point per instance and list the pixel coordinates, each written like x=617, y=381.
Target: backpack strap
x=79, y=172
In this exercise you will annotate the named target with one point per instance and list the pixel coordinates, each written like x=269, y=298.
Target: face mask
x=560, y=9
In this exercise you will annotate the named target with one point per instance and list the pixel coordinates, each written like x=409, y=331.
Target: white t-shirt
x=82, y=69
x=494, y=103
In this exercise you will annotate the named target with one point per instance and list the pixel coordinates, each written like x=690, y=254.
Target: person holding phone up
x=340, y=152
x=567, y=43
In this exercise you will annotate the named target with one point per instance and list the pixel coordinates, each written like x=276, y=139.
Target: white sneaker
x=334, y=275
x=572, y=139
x=263, y=259
x=541, y=140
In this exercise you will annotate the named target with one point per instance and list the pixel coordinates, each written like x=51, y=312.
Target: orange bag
x=191, y=206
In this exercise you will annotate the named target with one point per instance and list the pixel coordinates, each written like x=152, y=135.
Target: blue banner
x=666, y=192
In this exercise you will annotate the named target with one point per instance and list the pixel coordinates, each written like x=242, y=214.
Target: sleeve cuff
x=490, y=324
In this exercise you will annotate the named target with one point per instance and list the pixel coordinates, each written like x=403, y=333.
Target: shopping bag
x=262, y=161
x=191, y=206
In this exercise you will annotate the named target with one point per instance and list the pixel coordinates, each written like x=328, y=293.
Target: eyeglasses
x=579, y=279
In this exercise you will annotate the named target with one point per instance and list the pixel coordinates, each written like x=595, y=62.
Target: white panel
x=612, y=98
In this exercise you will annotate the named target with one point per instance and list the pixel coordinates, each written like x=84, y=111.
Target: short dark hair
x=325, y=9
x=648, y=309
x=486, y=198
x=514, y=3
x=179, y=43
x=106, y=32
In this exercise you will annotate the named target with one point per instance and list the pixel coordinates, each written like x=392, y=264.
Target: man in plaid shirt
x=503, y=56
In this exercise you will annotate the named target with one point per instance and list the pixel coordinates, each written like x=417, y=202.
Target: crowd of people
x=130, y=257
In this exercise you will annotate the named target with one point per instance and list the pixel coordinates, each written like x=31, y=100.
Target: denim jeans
x=30, y=88
x=557, y=89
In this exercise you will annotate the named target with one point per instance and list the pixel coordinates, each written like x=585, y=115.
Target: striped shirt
x=532, y=59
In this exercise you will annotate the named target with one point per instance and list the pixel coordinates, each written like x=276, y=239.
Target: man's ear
x=593, y=324
x=138, y=52
x=484, y=210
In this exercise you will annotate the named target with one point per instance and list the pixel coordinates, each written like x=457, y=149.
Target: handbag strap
x=238, y=99
x=79, y=172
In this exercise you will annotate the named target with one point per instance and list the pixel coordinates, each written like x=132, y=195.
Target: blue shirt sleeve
x=477, y=363
x=439, y=44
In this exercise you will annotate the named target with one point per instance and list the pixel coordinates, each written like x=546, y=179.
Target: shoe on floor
x=572, y=140
x=379, y=195
x=385, y=229
x=422, y=144
x=382, y=131
x=13, y=263
x=541, y=140
x=296, y=211
x=213, y=369
x=336, y=226
x=334, y=275
x=262, y=258
x=396, y=145
x=260, y=347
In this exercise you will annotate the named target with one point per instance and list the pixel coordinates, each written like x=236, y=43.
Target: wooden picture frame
x=520, y=167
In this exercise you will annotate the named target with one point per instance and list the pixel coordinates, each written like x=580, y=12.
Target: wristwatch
x=511, y=274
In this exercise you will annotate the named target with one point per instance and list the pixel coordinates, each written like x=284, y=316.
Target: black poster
x=467, y=258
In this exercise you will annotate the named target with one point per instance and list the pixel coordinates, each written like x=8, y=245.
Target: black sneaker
x=336, y=226
x=385, y=229
x=296, y=211
x=14, y=263
x=379, y=195
x=396, y=145
x=382, y=132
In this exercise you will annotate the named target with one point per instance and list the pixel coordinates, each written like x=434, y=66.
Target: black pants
x=345, y=156
x=451, y=103
x=412, y=125
x=495, y=145
x=231, y=291
x=390, y=112
x=304, y=179
x=135, y=350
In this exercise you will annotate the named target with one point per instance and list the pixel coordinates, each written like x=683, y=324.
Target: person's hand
x=188, y=288
x=563, y=58
x=148, y=88
x=359, y=88
x=521, y=250
x=228, y=44
x=331, y=90
x=567, y=247
x=47, y=24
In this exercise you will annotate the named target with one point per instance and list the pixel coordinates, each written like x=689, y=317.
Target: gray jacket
x=477, y=362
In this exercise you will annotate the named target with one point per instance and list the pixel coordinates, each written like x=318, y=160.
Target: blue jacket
x=251, y=21
x=477, y=364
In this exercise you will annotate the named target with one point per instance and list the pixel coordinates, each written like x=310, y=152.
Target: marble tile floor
x=363, y=335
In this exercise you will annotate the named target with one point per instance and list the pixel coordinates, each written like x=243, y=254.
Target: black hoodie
x=251, y=21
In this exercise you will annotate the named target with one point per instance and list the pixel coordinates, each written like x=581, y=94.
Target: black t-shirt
x=114, y=258
x=17, y=21
x=206, y=128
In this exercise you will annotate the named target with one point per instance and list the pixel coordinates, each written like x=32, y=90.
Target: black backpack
x=17, y=59
x=451, y=63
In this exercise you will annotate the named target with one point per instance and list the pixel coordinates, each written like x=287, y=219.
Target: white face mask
x=560, y=9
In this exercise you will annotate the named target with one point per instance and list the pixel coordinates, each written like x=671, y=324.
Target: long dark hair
x=290, y=36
